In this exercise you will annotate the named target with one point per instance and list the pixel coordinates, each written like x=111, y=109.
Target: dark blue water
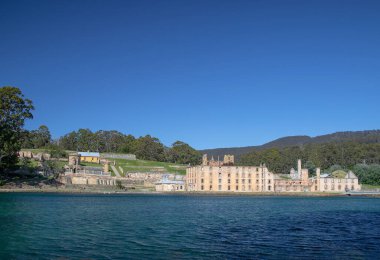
x=52, y=226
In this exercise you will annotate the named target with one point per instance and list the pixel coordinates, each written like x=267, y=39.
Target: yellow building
x=89, y=157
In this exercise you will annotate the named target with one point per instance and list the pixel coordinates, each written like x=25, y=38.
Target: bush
x=368, y=174
x=119, y=185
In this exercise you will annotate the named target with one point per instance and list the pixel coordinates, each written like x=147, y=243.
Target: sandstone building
x=223, y=176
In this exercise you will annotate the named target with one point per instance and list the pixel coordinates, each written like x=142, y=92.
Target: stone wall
x=118, y=156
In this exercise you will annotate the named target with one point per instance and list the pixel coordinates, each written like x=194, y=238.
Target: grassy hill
x=149, y=166
x=134, y=165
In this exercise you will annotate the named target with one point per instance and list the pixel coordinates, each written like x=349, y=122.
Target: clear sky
x=210, y=73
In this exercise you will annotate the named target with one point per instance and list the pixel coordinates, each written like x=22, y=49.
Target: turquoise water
x=61, y=226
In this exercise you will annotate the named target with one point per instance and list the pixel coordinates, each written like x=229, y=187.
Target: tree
x=14, y=110
x=183, y=153
x=36, y=138
x=42, y=137
x=69, y=141
x=149, y=148
x=311, y=167
x=87, y=140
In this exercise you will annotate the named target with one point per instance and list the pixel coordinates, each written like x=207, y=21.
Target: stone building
x=331, y=183
x=215, y=176
x=87, y=179
x=40, y=156
x=299, y=181
x=296, y=181
x=222, y=176
x=170, y=185
x=228, y=160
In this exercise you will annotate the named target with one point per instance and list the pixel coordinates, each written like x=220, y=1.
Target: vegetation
x=368, y=174
x=183, y=153
x=14, y=110
x=364, y=137
x=36, y=138
x=145, y=147
x=363, y=159
x=149, y=166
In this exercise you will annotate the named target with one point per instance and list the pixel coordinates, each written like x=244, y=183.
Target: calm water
x=51, y=226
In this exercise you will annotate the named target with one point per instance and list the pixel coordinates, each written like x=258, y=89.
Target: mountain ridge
x=365, y=136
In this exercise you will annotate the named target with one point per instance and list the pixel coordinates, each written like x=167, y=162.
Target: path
x=115, y=171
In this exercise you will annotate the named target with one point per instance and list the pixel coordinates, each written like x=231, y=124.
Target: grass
x=60, y=164
x=91, y=164
x=370, y=187
x=149, y=166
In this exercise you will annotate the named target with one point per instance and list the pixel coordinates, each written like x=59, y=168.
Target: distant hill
x=369, y=136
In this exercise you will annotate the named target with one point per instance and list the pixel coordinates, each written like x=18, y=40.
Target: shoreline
x=143, y=192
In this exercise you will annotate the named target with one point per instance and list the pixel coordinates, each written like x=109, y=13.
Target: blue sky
x=210, y=73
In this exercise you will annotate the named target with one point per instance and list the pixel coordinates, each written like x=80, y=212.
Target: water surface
x=52, y=226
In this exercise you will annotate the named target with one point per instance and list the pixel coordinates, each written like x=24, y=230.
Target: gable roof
x=89, y=154
x=351, y=175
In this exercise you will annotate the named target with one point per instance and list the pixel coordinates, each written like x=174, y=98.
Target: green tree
x=183, y=153
x=43, y=136
x=69, y=141
x=14, y=110
x=149, y=148
x=37, y=138
x=127, y=146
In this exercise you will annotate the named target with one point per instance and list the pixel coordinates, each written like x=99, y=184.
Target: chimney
x=299, y=168
x=318, y=171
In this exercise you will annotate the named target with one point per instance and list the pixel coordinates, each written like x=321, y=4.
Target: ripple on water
x=52, y=226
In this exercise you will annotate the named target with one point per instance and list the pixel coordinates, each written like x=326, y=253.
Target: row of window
x=237, y=168
x=339, y=187
x=236, y=181
x=339, y=180
x=237, y=188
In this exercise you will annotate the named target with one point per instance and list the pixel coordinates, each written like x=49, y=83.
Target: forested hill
x=370, y=136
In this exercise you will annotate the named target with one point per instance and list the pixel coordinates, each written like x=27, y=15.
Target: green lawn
x=149, y=166
x=370, y=187
x=91, y=164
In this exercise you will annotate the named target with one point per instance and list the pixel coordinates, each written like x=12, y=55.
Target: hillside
x=369, y=136
x=149, y=166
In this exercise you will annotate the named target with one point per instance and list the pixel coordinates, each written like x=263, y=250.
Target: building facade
x=223, y=176
x=89, y=157
x=170, y=185
x=329, y=183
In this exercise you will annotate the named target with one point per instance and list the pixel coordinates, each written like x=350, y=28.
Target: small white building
x=170, y=185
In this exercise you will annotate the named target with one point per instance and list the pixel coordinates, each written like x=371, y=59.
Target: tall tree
x=149, y=148
x=43, y=136
x=14, y=110
x=181, y=152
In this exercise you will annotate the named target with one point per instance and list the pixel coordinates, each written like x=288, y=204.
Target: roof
x=351, y=175
x=170, y=182
x=89, y=154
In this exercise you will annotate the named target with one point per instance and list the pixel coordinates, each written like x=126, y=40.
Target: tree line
x=361, y=158
x=144, y=147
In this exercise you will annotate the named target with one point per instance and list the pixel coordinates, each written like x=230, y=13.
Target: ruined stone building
x=224, y=176
x=217, y=176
